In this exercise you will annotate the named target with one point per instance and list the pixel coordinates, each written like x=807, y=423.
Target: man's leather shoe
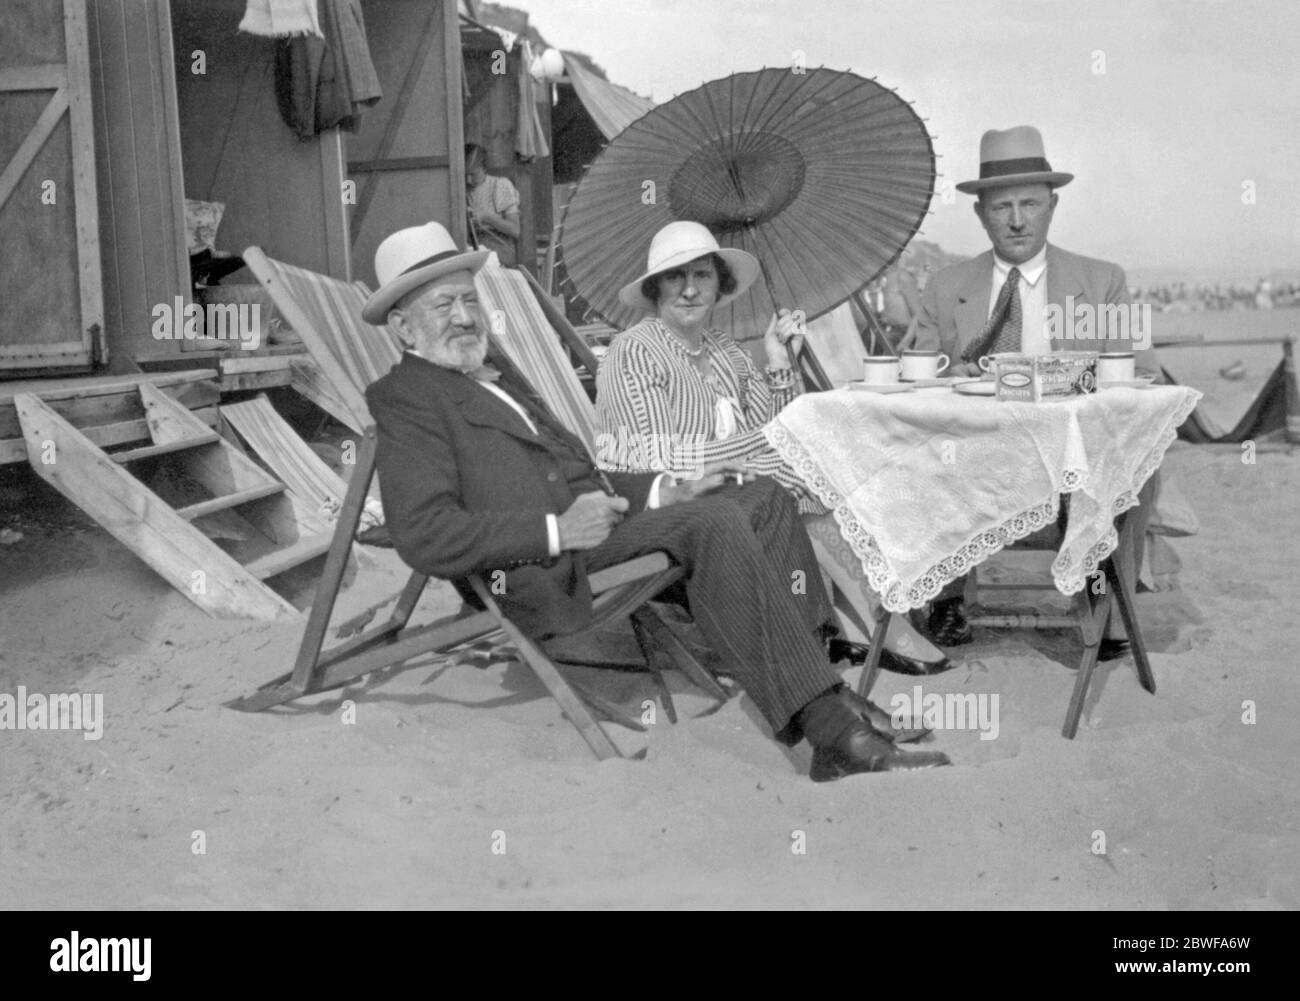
x=947, y=623
x=881, y=721
x=861, y=749
x=1110, y=649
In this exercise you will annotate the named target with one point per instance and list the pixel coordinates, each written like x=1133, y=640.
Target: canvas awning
x=612, y=108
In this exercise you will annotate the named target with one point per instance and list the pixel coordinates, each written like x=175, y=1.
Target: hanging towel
x=530, y=140
x=281, y=18
x=323, y=83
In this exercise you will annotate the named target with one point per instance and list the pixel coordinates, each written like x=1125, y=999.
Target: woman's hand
x=709, y=478
x=786, y=328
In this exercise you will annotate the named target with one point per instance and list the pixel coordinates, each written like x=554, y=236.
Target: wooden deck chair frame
x=619, y=591
x=1090, y=615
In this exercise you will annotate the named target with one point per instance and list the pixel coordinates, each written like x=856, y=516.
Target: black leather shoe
x=881, y=721
x=947, y=623
x=1110, y=649
x=861, y=749
x=856, y=654
x=900, y=664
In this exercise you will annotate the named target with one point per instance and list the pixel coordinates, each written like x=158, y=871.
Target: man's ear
x=1052, y=201
x=397, y=323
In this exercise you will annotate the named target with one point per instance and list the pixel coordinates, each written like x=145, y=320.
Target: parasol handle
x=816, y=371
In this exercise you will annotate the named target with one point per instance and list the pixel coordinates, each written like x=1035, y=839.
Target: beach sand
x=445, y=762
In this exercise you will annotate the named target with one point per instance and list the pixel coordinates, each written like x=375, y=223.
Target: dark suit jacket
x=955, y=304
x=466, y=487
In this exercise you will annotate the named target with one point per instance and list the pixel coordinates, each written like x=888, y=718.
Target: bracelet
x=779, y=378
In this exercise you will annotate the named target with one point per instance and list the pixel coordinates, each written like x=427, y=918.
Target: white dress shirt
x=1033, y=300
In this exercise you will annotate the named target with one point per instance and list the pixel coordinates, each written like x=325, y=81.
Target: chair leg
x=648, y=653
x=1092, y=618
x=549, y=675
x=871, y=669
x=1128, y=614
x=663, y=633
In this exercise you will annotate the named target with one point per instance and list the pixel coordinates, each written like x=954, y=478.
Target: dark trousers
x=754, y=589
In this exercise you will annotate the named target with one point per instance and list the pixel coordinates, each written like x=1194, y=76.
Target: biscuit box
x=1045, y=378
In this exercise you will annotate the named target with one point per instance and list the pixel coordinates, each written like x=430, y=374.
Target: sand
x=444, y=762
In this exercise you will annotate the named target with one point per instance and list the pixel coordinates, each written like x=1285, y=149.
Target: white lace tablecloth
x=927, y=484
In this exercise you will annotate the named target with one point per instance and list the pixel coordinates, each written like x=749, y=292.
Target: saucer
x=886, y=387
x=942, y=380
x=1141, y=382
x=977, y=387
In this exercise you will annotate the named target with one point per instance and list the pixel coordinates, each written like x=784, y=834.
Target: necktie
x=484, y=373
x=1002, y=332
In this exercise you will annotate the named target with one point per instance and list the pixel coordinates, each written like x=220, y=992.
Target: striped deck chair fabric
x=521, y=329
x=326, y=313
x=835, y=341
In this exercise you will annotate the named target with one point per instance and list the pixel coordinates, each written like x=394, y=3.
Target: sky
x=1180, y=119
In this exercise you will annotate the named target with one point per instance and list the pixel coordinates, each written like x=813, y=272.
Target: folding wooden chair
x=326, y=314
x=1090, y=611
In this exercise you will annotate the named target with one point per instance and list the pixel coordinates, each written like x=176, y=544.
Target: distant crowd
x=1180, y=296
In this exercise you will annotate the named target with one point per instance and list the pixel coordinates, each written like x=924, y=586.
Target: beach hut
x=114, y=114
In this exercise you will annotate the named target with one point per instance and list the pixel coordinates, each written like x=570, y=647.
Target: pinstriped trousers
x=754, y=588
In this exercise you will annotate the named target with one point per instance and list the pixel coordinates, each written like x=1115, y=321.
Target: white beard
x=461, y=355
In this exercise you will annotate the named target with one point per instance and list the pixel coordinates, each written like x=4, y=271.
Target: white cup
x=918, y=365
x=987, y=362
x=1115, y=366
x=880, y=370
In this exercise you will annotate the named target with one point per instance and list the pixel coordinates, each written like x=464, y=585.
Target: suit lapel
x=1063, y=282
x=478, y=406
x=972, y=309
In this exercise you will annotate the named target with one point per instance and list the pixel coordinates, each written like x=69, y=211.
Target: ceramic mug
x=880, y=370
x=918, y=365
x=1115, y=366
x=987, y=362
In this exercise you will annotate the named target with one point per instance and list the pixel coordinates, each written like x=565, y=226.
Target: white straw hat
x=411, y=258
x=679, y=243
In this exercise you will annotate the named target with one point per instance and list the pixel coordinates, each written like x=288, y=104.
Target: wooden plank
x=45, y=76
x=140, y=520
x=251, y=381
x=257, y=363
x=204, y=508
x=150, y=451
x=62, y=389
x=274, y=563
x=81, y=117
x=307, y=379
x=168, y=420
x=36, y=138
x=103, y=435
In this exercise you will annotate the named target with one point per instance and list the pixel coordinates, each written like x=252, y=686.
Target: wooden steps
x=200, y=512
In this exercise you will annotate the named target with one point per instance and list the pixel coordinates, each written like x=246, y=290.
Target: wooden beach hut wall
x=129, y=107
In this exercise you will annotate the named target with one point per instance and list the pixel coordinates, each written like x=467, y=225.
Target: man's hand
x=708, y=479
x=589, y=520
x=786, y=328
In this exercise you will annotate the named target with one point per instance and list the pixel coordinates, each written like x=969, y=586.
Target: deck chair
x=326, y=314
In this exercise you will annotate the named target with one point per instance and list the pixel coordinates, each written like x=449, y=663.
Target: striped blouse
x=656, y=412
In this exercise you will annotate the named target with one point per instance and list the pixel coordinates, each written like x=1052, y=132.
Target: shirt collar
x=1030, y=271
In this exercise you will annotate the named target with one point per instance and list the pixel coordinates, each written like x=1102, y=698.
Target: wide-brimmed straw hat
x=413, y=257
x=1015, y=156
x=679, y=243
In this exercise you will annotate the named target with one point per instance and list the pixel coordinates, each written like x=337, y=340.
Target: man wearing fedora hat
x=1004, y=299
x=478, y=476
x=968, y=309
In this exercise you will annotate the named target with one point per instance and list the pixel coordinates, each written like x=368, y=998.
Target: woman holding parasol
x=676, y=392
